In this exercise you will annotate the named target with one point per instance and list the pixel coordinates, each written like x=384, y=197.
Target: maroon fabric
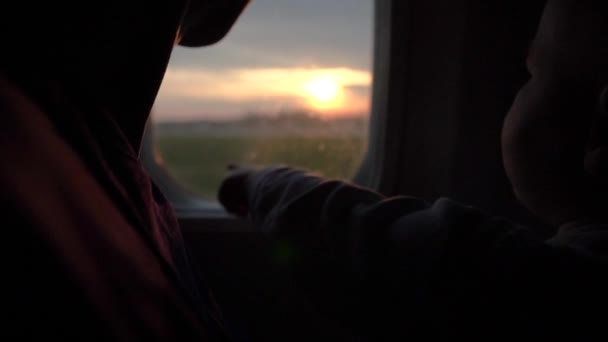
x=100, y=254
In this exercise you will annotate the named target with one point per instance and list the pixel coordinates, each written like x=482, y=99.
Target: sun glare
x=330, y=92
x=324, y=90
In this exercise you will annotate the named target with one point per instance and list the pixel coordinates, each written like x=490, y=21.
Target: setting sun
x=332, y=92
x=324, y=90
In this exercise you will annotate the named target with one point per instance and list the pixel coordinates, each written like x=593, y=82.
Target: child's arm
x=427, y=261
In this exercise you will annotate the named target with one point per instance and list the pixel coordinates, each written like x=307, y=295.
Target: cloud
x=265, y=63
x=291, y=33
x=186, y=90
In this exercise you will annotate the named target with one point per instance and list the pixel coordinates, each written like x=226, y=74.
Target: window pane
x=289, y=85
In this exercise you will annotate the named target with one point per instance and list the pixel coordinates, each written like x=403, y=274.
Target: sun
x=324, y=90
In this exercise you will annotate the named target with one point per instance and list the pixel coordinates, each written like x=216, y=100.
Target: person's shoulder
x=40, y=171
x=62, y=222
x=29, y=146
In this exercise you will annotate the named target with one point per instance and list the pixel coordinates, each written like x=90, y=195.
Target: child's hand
x=234, y=190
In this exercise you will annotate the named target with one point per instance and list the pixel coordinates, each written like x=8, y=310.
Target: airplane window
x=290, y=84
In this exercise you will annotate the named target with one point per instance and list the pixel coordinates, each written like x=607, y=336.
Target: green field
x=199, y=162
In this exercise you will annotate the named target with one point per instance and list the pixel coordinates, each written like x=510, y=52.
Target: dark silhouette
x=98, y=254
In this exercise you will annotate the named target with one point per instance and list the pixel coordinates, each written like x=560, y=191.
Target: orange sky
x=329, y=91
x=280, y=56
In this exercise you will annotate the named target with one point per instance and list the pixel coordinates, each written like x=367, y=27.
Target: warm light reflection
x=333, y=91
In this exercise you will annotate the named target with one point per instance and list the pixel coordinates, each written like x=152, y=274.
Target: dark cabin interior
x=445, y=74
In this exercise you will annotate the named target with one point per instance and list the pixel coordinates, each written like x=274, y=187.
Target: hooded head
x=113, y=54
